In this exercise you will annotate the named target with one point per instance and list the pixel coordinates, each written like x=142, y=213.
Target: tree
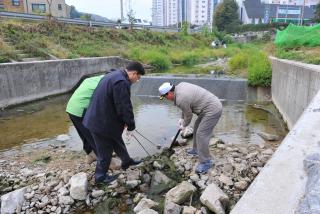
x=131, y=18
x=226, y=14
x=49, y=2
x=317, y=13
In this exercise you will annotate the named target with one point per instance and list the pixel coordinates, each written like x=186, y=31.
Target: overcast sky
x=111, y=8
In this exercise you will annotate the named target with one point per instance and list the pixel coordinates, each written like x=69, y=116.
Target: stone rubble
x=66, y=184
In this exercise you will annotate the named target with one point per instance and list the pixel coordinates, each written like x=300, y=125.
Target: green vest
x=80, y=99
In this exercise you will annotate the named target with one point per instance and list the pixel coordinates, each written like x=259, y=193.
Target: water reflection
x=157, y=120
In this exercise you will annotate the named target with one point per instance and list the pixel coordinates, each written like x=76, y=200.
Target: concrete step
x=32, y=59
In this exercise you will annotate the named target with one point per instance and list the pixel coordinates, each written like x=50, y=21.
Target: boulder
x=189, y=210
x=268, y=137
x=79, y=186
x=144, y=204
x=97, y=193
x=12, y=200
x=133, y=184
x=115, y=164
x=215, y=199
x=148, y=211
x=160, y=182
x=65, y=200
x=171, y=208
x=180, y=193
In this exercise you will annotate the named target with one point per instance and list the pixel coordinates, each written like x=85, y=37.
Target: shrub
x=239, y=61
x=259, y=70
x=190, y=59
x=157, y=59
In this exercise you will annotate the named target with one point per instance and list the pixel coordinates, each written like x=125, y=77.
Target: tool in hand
x=174, y=139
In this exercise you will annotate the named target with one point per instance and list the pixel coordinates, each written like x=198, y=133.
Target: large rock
x=115, y=164
x=160, y=182
x=65, y=200
x=12, y=200
x=180, y=193
x=79, y=186
x=189, y=210
x=268, y=137
x=148, y=211
x=144, y=204
x=215, y=199
x=171, y=208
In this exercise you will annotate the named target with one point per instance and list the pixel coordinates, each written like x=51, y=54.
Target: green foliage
x=259, y=70
x=157, y=59
x=226, y=14
x=317, y=13
x=256, y=27
x=184, y=28
x=239, y=61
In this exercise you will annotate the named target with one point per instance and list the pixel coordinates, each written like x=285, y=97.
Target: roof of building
x=256, y=9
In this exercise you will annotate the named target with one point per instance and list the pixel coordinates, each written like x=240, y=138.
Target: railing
x=86, y=23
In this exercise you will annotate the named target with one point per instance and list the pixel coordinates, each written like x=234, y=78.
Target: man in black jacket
x=109, y=113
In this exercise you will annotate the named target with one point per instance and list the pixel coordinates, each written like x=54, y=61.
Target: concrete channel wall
x=281, y=184
x=28, y=81
x=294, y=84
x=224, y=88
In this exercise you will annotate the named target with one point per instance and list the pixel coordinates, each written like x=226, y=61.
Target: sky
x=111, y=8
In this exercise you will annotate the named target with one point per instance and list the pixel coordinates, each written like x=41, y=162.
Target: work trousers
x=105, y=146
x=203, y=128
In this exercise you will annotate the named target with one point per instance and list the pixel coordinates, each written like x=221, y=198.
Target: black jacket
x=110, y=106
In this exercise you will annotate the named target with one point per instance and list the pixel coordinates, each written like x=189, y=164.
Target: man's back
x=110, y=108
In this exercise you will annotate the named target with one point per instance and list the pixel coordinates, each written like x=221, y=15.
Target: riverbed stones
x=12, y=201
x=79, y=186
x=65, y=200
x=63, y=137
x=115, y=164
x=148, y=211
x=132, y=184
x=215, y=199
x=269, y=137
x=171, y=208
x=144, y=204
x=97, y=193
x=180, y=193
x=242, y=185
x=188, y=210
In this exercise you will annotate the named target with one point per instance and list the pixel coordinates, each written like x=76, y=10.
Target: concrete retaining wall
x=28, y=81
x=294, y=84
x=224, y=88
x=281, y=184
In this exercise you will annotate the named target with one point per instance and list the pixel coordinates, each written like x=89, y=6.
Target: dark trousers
x=105, y=146
x=84, y=133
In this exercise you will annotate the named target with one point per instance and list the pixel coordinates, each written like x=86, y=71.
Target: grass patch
x=259, y=70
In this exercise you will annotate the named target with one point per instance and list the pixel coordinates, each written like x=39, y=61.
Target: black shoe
x=131, y=163
x=108, y=179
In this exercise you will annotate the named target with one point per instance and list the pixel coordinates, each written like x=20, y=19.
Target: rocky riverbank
x=56, y=180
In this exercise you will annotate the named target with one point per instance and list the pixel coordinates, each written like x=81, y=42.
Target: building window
x=39, y=8
x=59, y=7
x=16, y=2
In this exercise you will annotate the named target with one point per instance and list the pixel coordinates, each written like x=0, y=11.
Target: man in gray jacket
x=192, y=99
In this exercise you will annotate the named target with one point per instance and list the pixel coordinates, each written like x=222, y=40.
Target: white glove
x=129, y=135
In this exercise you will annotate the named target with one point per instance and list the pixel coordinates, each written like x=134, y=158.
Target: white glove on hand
x=181, y=127
x=129, y=135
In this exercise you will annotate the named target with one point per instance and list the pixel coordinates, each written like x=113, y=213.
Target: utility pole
x=121, y=8
x=302, y=13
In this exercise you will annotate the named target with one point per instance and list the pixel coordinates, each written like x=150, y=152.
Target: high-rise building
x=172, y=12
x=158, y=12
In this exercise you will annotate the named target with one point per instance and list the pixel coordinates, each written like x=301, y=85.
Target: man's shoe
x=108, y=179
x=192, y=152
x=131, y=163
x=204, y=167
x=91, y=157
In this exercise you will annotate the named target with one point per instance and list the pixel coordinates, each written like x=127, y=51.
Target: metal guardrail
x=26, y=16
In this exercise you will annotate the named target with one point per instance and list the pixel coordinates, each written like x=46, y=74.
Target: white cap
x=164, y=88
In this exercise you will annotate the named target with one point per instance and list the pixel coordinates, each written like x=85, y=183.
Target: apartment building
x=171, y=12
x=201, y=12
x=58, y=8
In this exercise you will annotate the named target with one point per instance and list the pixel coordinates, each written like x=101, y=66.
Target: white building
x=158, y=12
x=201, y=12
x=171, y=12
